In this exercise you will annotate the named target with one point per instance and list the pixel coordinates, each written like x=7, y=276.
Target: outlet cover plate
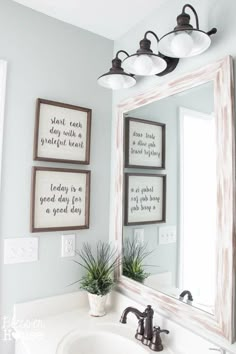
x=68, y=245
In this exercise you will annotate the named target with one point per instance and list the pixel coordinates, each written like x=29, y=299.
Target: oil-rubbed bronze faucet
x=145, y=331
x=189, y=296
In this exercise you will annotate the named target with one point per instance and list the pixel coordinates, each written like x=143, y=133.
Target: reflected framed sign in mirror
x=144, y=143
x=145, y=198
x=190, y=264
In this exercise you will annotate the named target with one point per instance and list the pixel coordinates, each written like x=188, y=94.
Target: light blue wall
x=53, y=60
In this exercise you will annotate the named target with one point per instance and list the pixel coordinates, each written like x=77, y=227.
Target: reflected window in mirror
x=197, y=205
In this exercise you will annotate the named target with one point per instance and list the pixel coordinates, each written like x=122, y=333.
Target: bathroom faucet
x=186, y=292
x=145, y=331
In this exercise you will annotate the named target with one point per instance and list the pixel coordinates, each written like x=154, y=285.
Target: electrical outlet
x=20, y=250
x=167, y=234
x=68, y=245
x=139, y=236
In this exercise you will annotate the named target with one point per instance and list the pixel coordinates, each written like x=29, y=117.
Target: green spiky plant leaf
x=99, y=266
x=134, y=254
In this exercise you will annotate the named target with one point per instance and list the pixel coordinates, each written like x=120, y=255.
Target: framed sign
x=144, y=144
x=59, y=199
x=62, y=132
x=145, y=198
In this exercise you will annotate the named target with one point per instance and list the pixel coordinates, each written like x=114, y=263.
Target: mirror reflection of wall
x=179, y=254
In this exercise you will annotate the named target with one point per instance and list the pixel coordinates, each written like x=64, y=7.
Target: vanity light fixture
x=184, y=41
x=116, y=78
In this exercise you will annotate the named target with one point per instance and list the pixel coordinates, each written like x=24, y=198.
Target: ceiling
x=104, y=17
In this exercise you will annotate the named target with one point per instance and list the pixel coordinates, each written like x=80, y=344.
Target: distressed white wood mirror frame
x=221, y=324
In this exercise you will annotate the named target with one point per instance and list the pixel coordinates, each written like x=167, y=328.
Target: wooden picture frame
x=60, y=199
x=145, y=198
x=62, y=132
x=144, y=143
x=220, y=327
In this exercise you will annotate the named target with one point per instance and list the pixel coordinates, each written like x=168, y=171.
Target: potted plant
x=134, y=254
x=99, y=278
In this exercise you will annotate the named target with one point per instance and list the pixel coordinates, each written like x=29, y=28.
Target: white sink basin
x=102, y=341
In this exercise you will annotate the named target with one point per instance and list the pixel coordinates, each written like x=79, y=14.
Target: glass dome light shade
x=144, y=64
x=201, y=42
x=116, y=81
x=182, y=44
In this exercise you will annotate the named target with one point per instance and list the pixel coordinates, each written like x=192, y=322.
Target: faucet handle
x=156, y=343
x=159, y=330
x=164, y=331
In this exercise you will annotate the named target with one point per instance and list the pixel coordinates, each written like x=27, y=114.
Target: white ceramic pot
x=97, y=305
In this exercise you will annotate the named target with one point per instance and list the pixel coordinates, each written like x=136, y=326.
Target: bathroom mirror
x=175, y=256
x=177, y=215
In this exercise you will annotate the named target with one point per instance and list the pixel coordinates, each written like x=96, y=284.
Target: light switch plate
x=20, y=250
x=167, y=234
x=68, y=245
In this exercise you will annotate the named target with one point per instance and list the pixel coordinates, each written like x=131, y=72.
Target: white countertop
x=48, y=329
